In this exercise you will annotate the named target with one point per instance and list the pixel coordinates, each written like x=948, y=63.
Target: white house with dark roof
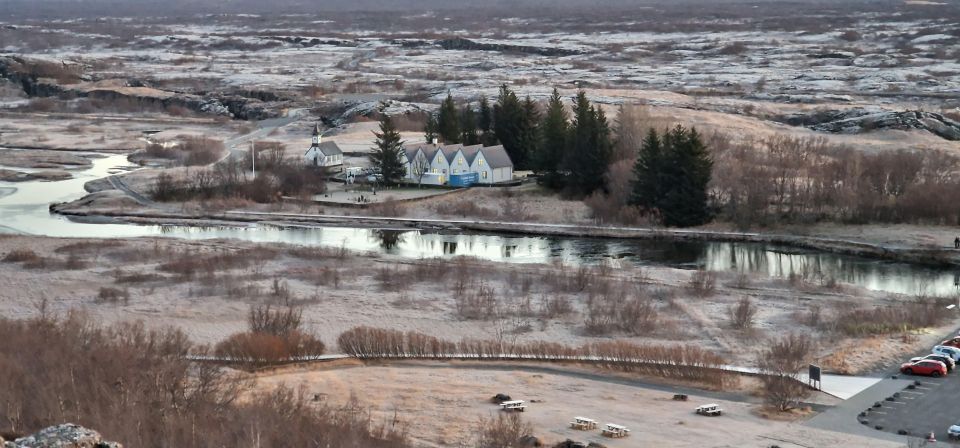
x=323, y=154
x=436, y=163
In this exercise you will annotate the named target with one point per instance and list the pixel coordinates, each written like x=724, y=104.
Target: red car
x=925, y=367
x=952, y=342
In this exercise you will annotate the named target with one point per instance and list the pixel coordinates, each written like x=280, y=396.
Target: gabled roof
x=327, y=149
x=470, y=153
x=496, y=156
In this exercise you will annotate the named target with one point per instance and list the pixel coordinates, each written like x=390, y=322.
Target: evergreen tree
x=468, y=126
x=687, y=172
x=551, y=146
x=529, y=131
x=430, y=128
x=448, y=121
x=487, y=136
x=648, y=170
x=589, y=148
x=508, y=117
x=387, y=155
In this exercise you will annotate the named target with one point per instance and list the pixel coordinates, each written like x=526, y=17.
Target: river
x=24, y=209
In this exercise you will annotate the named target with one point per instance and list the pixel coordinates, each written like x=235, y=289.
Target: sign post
x=814, y=377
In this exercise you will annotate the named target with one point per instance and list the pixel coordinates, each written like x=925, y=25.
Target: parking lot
x=929, y=406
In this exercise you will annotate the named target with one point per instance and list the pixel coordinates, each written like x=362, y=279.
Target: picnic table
x=513, y=405
x=615, y=431
x=710, y=410
x=583, y=423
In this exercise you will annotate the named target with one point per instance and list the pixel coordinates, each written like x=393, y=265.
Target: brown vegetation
x=684, y=362
x=137, y=387
x=780, y=364
x=273, y=335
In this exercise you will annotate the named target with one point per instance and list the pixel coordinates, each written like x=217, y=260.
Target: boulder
x=67, y=435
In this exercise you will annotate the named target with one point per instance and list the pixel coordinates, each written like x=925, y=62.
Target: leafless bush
x=388, y=207
x=150, y=395
x=743, y=313
x=464, y=209
x=477, y=304
x=392, y=279
x=703, y=283
x=684, y=362
x=556, y=306
x=889, y=319
x=734, y=48
x=502, y=431
x=780, y=365
x=265, y=319
x=616, y=310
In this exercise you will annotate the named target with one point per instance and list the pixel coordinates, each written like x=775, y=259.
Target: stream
x=24, y=210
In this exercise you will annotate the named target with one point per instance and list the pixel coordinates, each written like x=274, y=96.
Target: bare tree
x=780, y=365
x=419, y=167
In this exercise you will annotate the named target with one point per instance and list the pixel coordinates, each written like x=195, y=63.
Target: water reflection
x=388, y=239
x=26, y=210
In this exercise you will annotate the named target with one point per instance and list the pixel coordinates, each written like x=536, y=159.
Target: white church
x=323, y=154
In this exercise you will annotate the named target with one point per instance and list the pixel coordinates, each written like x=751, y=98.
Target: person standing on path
x=956, y=243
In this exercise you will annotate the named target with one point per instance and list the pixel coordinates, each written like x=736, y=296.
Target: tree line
x=572, y=152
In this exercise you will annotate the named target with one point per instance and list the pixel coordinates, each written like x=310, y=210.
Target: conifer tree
x=387, y=153
x=589, y=146
x=430, y=129
x=468, y=126
x=687, y=172
x=551, y=146
x=485, y=124
x=448, y=121
x=528, y=131
x=648, y=171
x=508, y=118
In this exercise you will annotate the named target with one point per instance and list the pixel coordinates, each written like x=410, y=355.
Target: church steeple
x=316, y=135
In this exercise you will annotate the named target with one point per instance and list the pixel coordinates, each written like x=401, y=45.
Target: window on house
x=484, y=174
x=481, y=162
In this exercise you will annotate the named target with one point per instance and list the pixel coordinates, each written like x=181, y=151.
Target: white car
x=947, y=350
x=954, y=432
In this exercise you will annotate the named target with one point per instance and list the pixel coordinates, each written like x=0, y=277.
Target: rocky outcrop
x=236, y=105
x=860, y=120
x=459, y=43
x=67, y=435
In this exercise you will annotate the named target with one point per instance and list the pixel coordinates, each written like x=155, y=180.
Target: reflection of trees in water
x=388, y=239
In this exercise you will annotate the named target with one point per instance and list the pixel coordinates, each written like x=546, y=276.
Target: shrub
x=742, y=314
x=113, y=295
x=780, y=364
x=21, y=256
x=703, y=283
x=138, y=387
x=683, y=362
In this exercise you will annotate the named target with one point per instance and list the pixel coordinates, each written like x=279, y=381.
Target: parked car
x=952, y=342
x=945, y=359
x=947, y=350
x=927, y=367
x=954, y=432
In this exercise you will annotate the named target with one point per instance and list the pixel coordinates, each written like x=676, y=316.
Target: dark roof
x=327, y=149
x=470, y=153
x=496, y=156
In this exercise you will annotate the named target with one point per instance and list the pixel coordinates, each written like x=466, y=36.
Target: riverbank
x=906, y=251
